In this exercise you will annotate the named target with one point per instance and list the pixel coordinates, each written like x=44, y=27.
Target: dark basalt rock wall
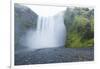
x=25, y=19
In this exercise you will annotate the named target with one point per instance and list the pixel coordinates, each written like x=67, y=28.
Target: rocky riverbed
x=53, y=55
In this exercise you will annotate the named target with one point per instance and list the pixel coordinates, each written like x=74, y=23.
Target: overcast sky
x=46, y=10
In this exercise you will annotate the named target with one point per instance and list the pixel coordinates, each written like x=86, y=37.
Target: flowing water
x=50, y=32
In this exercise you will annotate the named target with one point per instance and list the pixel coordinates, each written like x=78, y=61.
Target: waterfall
x=50, y=32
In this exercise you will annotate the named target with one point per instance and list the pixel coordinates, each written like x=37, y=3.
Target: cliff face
x=79, y=24
x=25, y=19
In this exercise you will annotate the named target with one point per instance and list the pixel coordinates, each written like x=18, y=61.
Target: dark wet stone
x=54, y=55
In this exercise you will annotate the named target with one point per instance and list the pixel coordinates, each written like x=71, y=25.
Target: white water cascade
x=50, y=32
